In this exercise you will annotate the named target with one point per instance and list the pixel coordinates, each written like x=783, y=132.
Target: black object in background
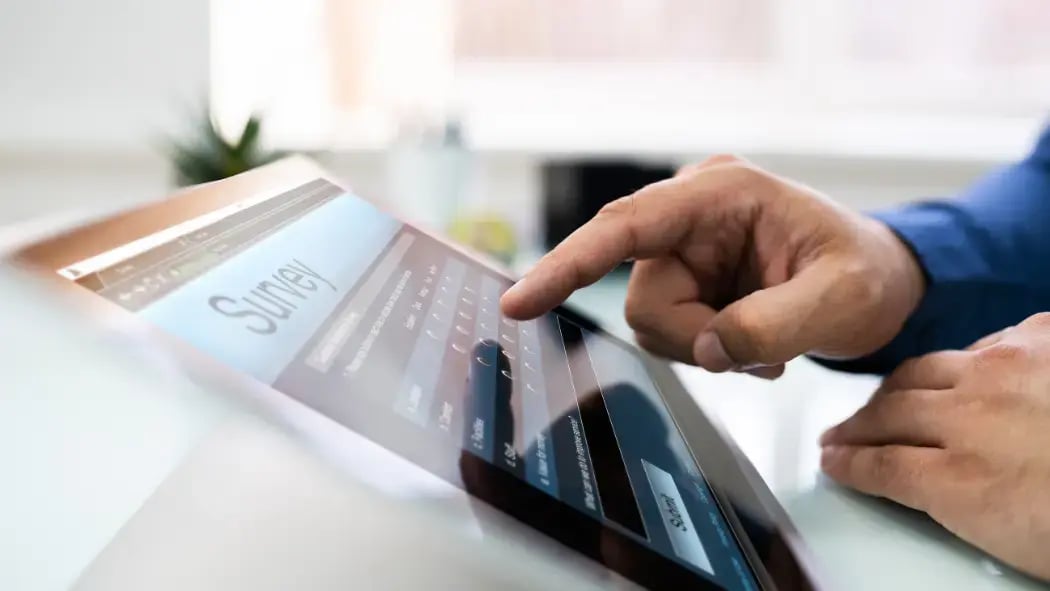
x=574, y=191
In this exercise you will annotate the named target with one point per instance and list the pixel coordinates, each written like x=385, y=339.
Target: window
x=555, y=31
x=638, y=74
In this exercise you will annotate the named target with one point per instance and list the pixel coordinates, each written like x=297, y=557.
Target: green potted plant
x=207, y=155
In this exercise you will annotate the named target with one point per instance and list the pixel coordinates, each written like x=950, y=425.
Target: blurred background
x=507, y=122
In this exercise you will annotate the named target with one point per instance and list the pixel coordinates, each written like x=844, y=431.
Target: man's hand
x=965, y=437
x=737, y=269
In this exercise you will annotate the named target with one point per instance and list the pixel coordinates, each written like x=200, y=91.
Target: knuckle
x=886, y=465
x=724, y=158
x=618, y=207
x=1040, y=320
x=639, y=313
x=721, y=159
x=688, y=169
x=995, y=357
x=624, y=211
x=746, y=174
x=739, y=173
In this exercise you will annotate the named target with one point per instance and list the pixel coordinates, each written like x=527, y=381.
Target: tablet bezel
x=731, y=476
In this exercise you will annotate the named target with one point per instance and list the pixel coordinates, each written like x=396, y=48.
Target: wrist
x=895, y=288
x=905, y=274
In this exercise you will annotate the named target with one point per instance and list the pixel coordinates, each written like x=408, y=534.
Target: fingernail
x=709, y=353
x=829, y=454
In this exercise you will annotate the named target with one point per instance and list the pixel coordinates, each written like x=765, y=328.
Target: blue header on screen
x=255, y=311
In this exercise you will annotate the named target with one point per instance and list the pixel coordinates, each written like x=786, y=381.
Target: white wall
x=99, y=73
x=86, y=89
x=510, y=183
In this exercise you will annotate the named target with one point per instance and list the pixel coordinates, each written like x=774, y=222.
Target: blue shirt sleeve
x=986, y=257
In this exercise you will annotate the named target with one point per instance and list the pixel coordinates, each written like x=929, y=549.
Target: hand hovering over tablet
x=965, y=437
x=737, y=269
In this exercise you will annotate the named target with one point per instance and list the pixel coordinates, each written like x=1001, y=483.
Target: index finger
x=649, y=223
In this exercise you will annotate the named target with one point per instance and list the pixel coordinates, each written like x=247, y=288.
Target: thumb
x=774, y=325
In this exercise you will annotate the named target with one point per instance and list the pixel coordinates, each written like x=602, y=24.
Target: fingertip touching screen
x=398, y=337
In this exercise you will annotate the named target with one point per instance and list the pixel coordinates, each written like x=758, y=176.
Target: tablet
x=287, y=278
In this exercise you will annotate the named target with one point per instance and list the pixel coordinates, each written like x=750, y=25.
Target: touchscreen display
x=400, y=338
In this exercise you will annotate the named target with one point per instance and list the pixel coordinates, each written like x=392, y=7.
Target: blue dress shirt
x=986, y=257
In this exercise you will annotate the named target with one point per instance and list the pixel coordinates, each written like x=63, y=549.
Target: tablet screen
x=398, y=337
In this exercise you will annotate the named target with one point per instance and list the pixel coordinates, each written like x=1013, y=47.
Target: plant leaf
x=207, y=156
x=250, y=136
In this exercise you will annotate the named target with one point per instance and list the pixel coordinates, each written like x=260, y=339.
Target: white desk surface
x=75, y=470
